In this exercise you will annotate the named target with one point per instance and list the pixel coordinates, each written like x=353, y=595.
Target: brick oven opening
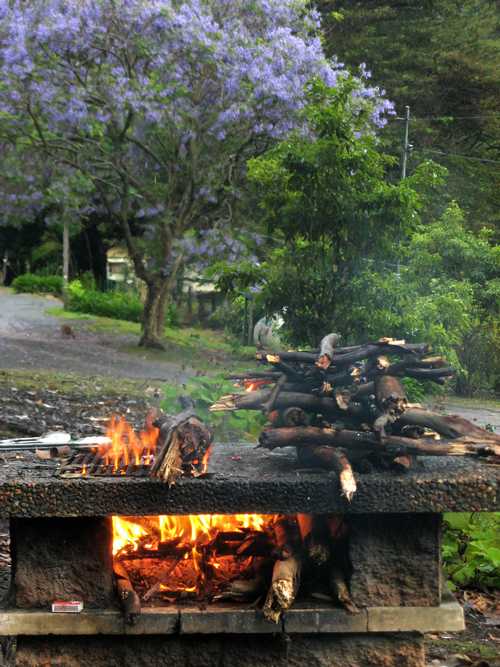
x=265, y=559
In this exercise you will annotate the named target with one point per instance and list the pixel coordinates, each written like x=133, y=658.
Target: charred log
x=183, y=447
x=129, y=600
x=284, y=587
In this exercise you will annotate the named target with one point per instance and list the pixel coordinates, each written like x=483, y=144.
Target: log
x=464, y=446
x=284, y=587
x=363, y=390
x=129, y=600
x=313, y=436
x=286, y=537
x=184, y=445
x=294, y=417
x=268, y=405
x=449, y=426
x=348, y=355
x=332, y=458
x=255, y=399
x=390, y=394
x=339, y=589
x=242, y=590
x=326, y=350
x=364, y=442
x=315, y=548
x=391, y=400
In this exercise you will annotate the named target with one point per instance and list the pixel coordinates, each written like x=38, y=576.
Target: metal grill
x=94, y=464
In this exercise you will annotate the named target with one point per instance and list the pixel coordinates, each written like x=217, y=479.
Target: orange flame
x=254, y=385
x=188, y=546
x=127, y=446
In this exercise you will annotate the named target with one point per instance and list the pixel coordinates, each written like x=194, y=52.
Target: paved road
x=31, y=339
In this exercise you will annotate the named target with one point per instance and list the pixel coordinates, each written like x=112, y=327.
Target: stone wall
x=63, y=559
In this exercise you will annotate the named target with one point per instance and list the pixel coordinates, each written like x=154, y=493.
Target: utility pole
x=65, y=256
x=403, y=176
x=405, y=148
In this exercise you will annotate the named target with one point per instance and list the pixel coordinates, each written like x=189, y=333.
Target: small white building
x=119, y=268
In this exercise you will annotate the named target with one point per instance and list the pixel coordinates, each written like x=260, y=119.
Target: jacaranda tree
x=157, y=104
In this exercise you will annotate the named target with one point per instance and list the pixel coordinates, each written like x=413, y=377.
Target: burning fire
x=192, y=556
x=254, y=385
x=127, y=446
x=185, y=530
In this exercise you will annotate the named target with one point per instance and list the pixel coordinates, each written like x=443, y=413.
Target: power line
x=464, y=157
x=450, y=117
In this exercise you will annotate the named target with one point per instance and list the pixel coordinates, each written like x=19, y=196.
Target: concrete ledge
x=227, y=619
x=448, y=617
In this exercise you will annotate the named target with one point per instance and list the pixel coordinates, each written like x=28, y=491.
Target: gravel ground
x=31, y=339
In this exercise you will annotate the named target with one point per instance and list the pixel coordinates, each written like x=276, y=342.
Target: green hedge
x=31, y=283
x=107, y=304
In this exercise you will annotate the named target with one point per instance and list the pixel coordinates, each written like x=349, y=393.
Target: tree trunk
x=163, y=301
x=150, y=317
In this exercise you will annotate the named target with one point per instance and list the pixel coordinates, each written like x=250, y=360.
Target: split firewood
x=284, y=587
x=316, y=548
x=183, y=448
x=129, y=600
x=340, y=590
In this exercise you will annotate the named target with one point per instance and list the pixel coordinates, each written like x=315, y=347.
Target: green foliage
x=471, y=549
x=300, y=277
x=334, y=185
x=416, y=391
x=106, y=304
x=33, y=283
x=206, y=390
x=442, y=59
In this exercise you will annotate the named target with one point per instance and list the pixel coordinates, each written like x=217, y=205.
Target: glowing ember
x=191, y=556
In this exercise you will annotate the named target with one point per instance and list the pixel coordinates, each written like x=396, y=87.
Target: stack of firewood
x=347, y=405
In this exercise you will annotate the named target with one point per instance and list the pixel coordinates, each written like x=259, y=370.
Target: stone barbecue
x=58, y=537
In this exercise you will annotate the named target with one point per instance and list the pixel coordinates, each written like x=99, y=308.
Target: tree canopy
x=157, y=105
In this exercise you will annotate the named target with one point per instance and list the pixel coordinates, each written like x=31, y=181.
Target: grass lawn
x=90, y=386
x=202, y=349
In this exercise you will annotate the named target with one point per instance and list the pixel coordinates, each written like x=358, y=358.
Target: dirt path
x=31, y=339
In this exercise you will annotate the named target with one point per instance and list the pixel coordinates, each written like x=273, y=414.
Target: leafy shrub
x=106, y=304
x=471, y=549
x=206, y=390
x=33, y=283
